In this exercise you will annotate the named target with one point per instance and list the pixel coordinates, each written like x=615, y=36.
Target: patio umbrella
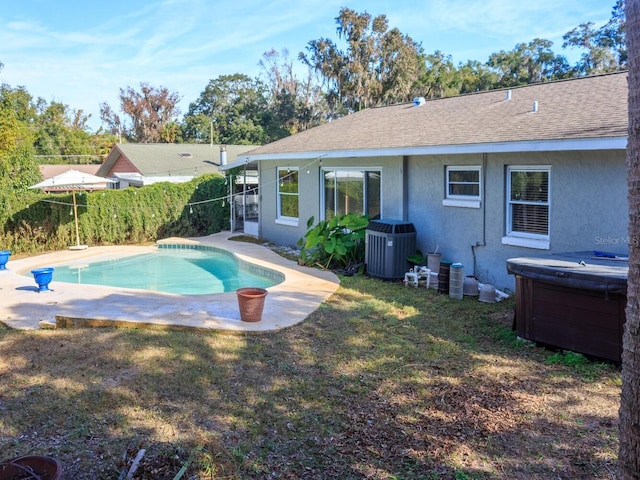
x=72, y=180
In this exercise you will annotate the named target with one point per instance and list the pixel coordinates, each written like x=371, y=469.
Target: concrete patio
x=76, y=305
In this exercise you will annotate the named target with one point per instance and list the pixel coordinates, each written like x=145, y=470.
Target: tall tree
x=59, y=132
x=597, y=58
x=441, y=78
x=613, y=34
x=278, y=69
x=297, y=104
x=328, y=62
x=528, y=63
x=20, y=101
x=629, y=455
x=402, y=63
x=230, y=110
x=149, y=110
x=50, y=129
x=18, y=167
x=378, y=65
x=604, y=48
x=475, y=76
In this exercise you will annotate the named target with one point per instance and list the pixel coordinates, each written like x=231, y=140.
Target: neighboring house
x=138, y=164
x=483, y=177
x=50, y=171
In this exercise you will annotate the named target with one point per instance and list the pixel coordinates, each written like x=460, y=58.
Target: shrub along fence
x=32, y=222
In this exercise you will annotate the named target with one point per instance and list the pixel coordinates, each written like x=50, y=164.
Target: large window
x=287, y=202
x=350, y=191
x=464, y=186
x=528, y=203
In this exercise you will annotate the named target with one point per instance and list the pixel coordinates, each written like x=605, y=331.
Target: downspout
x=227, y=181
x=482, y=242
x=232, y=213
x=244, y=199
x=258, y=195
x=405, y=188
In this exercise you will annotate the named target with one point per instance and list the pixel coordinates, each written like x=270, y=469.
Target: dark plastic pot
x=31, y=467
x=43, y=278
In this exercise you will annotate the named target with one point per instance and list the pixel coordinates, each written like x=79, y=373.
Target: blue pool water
x=185, y=270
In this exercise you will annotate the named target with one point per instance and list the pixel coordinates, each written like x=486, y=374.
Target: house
x=138, y=164
x=483, y=177
x=50, y=171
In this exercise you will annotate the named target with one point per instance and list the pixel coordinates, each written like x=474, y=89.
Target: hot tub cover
x=587, y=270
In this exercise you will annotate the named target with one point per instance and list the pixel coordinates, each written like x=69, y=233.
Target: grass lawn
x=382, y=382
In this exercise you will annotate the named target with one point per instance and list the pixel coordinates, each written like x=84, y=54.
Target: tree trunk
x=629, y=455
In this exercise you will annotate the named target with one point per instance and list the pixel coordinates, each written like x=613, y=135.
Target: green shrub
x=33, y=222
x=335, y=243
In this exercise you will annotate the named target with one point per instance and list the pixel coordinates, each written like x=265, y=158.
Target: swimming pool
x=180, y=269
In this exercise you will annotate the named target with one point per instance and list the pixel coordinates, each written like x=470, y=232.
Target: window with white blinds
x=528, y=201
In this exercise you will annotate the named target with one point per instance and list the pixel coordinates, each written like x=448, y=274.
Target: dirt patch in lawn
x=382, y=382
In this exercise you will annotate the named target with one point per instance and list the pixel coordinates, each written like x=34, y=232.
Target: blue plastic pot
x=4, y=258
x=43, y=277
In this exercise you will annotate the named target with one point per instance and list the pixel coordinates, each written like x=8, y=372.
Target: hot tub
x=574, y=301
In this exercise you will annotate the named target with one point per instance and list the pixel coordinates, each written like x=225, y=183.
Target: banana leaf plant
x=337, y=243
x=417, y=258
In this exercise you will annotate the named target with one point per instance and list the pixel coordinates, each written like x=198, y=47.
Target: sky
x=81, y=53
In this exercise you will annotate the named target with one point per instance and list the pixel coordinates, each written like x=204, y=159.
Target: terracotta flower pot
x=31, y=467
x=251, y=303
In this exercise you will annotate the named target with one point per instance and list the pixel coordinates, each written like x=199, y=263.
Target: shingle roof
x=583, y=108
x=159, y=159
x=48, y=171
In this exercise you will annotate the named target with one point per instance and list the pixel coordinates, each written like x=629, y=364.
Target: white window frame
x=524, y=239
x=464, y=201
x=363, y=169
x=283, y=219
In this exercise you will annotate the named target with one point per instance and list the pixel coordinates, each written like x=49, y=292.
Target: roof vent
x=223, y=155
x=185, y=155
x=535, y=106
x=419, y=101
x=508, y=95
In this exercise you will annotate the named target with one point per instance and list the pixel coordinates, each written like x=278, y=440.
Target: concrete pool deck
x=75, y=305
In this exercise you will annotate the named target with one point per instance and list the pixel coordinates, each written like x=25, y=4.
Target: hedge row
x=33, y=222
